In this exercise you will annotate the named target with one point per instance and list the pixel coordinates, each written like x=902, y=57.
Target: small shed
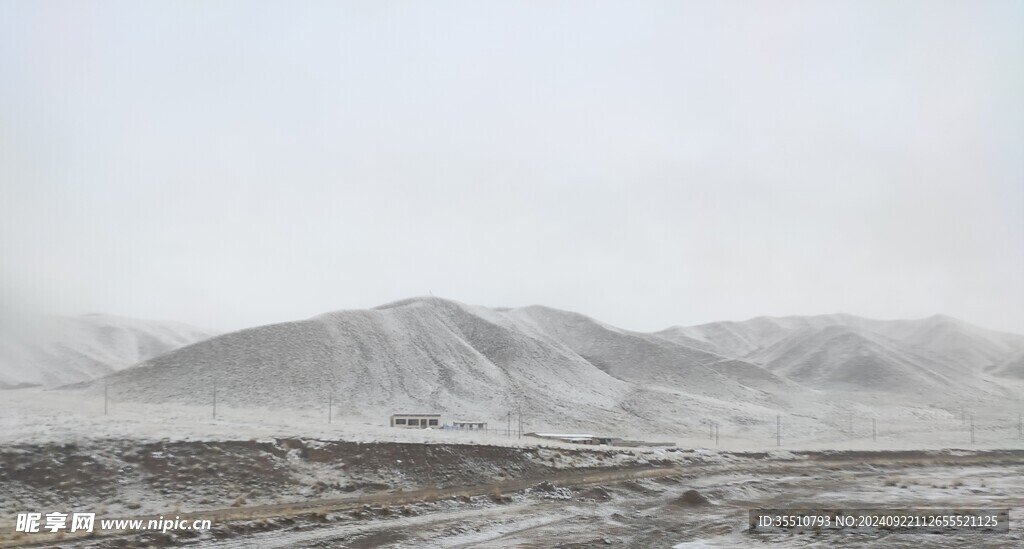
x=416, y=421
x=463, y=425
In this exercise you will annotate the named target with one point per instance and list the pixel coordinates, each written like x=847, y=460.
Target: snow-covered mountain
x=951, y=340
x=462, y=360
x=54, y=351
x=935, y=355
x=652, y=361
x=562, y=368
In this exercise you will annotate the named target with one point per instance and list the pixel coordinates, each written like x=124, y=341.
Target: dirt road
x=628, y=505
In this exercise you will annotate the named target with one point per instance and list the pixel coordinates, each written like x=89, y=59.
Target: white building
x=462, y=425
x=416, y=421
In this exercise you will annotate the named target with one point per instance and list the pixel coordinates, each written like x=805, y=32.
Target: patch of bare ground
x=390, y=493
x=691, y=498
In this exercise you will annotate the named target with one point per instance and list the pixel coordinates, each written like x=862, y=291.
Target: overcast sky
x=229, y=164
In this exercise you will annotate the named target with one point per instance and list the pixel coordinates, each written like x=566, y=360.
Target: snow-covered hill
x=651, y=361
x=937, y=353
x=944, y=338
x=850, y=359
x=561, y=368
x=473, y=362
x=59, y=350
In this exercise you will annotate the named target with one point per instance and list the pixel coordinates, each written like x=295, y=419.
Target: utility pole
x=330, y=408
x=873, y=439
x=711, y=430
x=1020, y=427
x=106, y=386
x=778, y=429
x=520, y=420
x=972, y=428
x=851, y=423
x=508, y=429
x=716, y=433
x=963, y=416
x=215, y=399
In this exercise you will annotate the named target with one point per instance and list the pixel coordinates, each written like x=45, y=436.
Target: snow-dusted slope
x=441, y=356
x=1011, y=368
x=648, y=360
x=956, y=341
x=844, y=358
x=935, y=343
x=563, y=369
x=58, y=350
x=416, y=355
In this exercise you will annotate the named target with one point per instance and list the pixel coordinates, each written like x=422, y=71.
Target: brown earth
x=286, y=485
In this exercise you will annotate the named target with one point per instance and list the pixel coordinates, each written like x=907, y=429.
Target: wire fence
x=935, y=425
x=956, y=429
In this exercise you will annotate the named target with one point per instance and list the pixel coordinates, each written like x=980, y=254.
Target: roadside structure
x=416, y=421
x=462, y=425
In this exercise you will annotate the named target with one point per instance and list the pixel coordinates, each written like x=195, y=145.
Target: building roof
x=417, y=415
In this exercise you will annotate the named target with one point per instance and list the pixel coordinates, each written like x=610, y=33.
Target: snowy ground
x=292, y=471
x=36, y=415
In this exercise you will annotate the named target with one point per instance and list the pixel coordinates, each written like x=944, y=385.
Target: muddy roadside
x=281, y=480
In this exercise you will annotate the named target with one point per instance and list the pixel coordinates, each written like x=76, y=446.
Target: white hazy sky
x=229, y=164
